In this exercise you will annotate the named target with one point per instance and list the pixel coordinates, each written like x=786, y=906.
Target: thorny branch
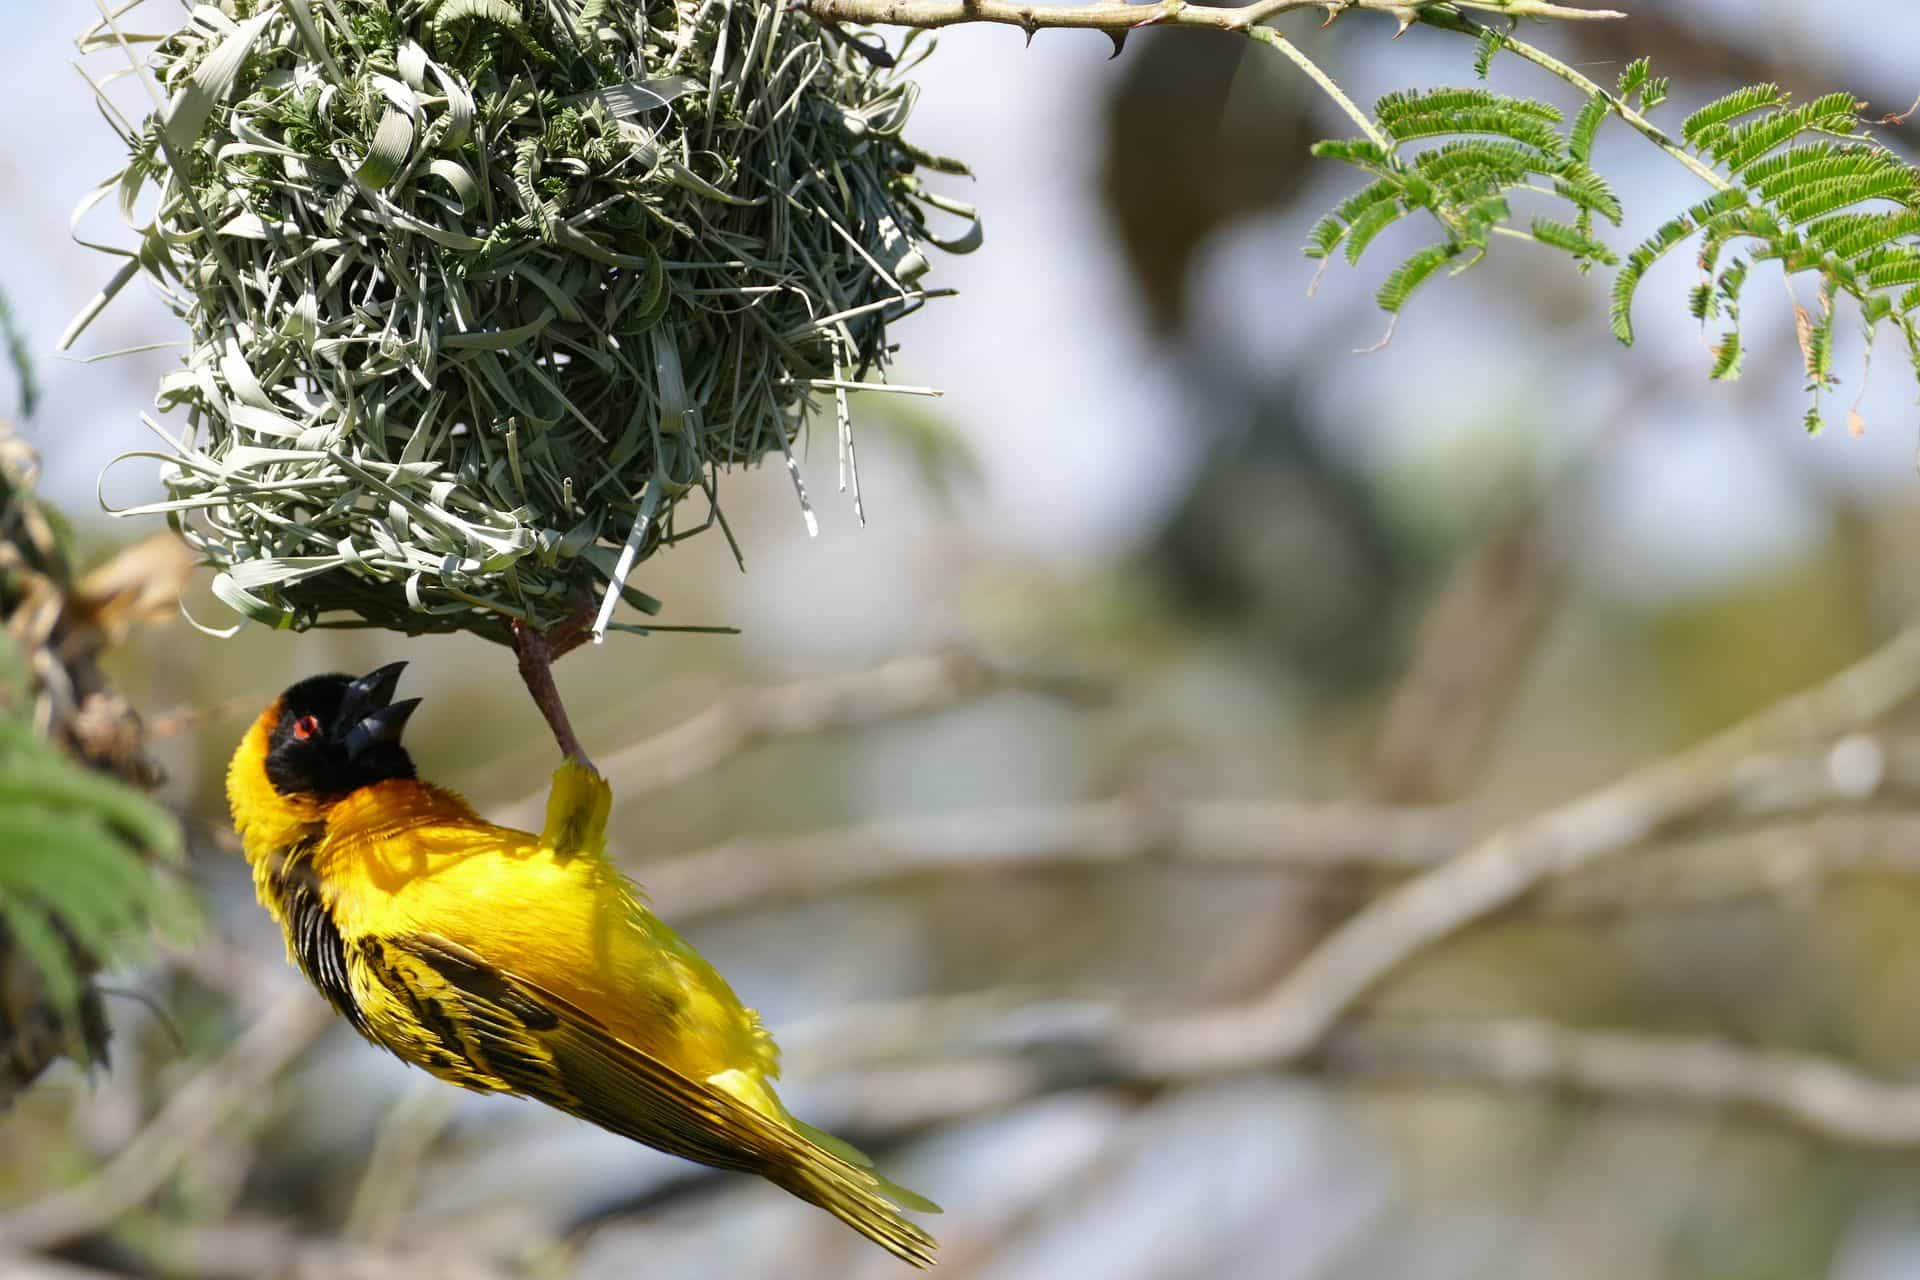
x=1120, y=17
x=1118, y=20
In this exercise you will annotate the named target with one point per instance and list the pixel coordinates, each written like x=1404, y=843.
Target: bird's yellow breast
x=404, y=858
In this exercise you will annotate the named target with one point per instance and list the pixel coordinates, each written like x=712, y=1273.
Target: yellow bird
x=508, y=962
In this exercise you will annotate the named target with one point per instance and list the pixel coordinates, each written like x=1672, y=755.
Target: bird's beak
x=368, y=714
x=384, y=725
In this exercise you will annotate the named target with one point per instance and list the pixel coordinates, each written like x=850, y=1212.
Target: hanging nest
x=479, y=290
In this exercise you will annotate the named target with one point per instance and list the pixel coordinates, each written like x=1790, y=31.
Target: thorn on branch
x=1119, y=39
x=868, y=45
x=873, y=49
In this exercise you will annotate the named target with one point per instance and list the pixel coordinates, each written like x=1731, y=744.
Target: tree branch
x=193, y=1111
x=740, y=721
x=1118, y=20
x=1789, y=860
x=1794, y=791
x=1452, y=20
x=1295, y=1015
x=1220, y=834
x=1121, y=18
x=1824, y=1097
x=883, y=1053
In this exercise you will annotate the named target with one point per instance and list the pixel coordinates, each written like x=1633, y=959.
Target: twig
x=1822, y=1096
x=1023, y=1057
x=1451, y=20
x=536, y=652
x=401, y=1144
x=1219, y=834
x=1470, y=655
x=738, y=722
x=1790, y=860
x=20, y=1266
x=1793, y=792
x=1289, y=1020
x=1328, y=85
x=1119, y=19
x=189, y=1116
x=1277, y=835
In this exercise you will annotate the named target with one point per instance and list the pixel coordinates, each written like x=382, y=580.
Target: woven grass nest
x=479, y=290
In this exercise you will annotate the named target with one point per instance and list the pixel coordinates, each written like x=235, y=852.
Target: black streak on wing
x=317, y=943
x=471, y=974
x=503, y=1018
x=584, y=1070
x=448, y=1049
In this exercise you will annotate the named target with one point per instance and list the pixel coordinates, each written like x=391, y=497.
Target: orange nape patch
x=267, y=821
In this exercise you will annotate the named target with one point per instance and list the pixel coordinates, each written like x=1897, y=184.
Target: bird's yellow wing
x=493, y=1030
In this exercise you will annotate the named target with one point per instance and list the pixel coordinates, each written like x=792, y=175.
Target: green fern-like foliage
x=76, y=883
x=1809, y=189
x=1463, y=157
x=1801, y=185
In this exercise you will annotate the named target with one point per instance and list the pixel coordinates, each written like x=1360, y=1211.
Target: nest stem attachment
x=537, y=651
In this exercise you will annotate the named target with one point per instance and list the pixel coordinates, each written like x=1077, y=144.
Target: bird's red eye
x=305, y=727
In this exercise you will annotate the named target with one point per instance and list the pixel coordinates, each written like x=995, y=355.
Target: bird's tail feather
x=855, y=1156
x=856, y=1195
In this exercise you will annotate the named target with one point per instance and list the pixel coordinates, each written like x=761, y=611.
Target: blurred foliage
x=1287, y=545
x=78, y=887
x=1718, y=654
x=14, y=339
x=1200, y=133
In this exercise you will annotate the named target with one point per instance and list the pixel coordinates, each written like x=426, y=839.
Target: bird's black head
x=336, y=734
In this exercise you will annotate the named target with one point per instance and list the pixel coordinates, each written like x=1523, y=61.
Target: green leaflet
x=1586, y=125
x=1412, y=273
x=74, y=857
x=1485, y=151
x=1573, y=240
x=1491, y=154
x=1698, y=128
